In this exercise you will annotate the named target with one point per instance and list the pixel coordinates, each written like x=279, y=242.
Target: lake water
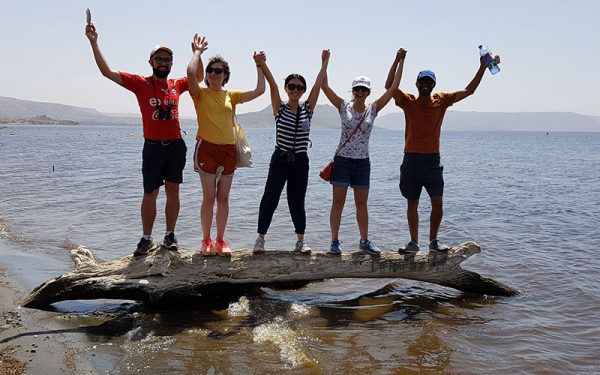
x=531, y=200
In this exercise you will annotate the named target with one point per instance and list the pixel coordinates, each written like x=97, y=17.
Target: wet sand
x=32, y=341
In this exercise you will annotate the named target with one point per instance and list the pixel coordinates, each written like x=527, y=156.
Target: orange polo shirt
x=424, y=121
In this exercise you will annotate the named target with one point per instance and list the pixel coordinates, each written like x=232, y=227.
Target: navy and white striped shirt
x=289, y=136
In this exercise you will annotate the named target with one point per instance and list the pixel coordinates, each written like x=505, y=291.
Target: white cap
x=361, y=81
x=160, y=47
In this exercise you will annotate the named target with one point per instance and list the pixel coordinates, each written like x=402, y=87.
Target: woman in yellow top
x=215, y=148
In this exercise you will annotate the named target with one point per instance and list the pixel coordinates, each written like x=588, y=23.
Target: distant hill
x=505, y=121
x=11, y=108
x=326, y=117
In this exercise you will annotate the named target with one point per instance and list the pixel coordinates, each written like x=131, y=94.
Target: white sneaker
x=259, y=246
x=302, y=247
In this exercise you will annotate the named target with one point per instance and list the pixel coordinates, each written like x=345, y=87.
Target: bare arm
x=393, y=87
x=314, y=92
x=392, y=73
x=195, y=68
x=259, y=59
x=334, y=99
x=113, y=75
x=273, y=88
x=394, y=68
x=472, y=86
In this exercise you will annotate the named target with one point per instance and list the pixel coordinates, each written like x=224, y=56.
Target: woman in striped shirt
x=289, y=162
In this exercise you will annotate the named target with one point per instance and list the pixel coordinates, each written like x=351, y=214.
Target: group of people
x=164, y=151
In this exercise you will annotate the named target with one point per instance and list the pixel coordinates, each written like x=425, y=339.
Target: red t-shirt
x=150, y=93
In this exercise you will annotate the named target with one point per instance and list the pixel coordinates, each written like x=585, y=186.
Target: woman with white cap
x=351, y=165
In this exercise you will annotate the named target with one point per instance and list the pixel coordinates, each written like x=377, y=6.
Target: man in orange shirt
x=421, y=166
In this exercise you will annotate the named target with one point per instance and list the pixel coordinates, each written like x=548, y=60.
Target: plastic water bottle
x=488, y=59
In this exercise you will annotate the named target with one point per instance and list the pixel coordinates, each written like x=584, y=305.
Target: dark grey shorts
x=420, y=171
x=162, y=161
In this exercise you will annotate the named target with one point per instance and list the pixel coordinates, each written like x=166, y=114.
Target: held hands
x=325, y=55
x=260, y=58
x=91, y=33
x=199, y=44
x=400, y=55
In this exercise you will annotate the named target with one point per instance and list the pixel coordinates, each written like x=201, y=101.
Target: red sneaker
x=207, y=247
x=222, y=248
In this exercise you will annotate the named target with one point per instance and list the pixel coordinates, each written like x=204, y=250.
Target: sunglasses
x=292, y=87
x=210, y=69
x=360, y=88
x=161, y=60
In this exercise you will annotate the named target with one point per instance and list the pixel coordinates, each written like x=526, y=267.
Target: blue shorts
x=351, y=172
x=420, y=171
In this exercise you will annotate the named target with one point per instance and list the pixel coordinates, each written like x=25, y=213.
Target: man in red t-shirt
x=421, y=166
x=163, y=156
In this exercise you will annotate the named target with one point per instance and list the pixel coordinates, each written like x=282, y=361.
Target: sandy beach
x=32, y=341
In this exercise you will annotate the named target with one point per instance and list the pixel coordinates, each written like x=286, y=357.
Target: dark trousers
x=295, y=173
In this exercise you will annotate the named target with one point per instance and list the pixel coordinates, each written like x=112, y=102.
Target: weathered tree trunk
x=164, y=275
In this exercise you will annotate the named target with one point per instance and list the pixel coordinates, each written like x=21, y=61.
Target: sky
x=550, y=49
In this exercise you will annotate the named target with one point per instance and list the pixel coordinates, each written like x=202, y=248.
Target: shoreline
x=32, y=341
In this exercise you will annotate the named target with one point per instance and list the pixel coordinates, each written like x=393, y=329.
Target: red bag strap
x=352, y=134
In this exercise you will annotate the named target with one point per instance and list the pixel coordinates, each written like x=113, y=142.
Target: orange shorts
x=209, y=156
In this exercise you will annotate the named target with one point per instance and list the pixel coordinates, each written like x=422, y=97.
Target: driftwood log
x=164, y=275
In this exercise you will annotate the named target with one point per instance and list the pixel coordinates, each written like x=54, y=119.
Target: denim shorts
x=351, y=172
x=420, y=171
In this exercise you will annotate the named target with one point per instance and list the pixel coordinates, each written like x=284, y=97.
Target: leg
x=223, y=204
x=412, y=214
x=173, y=177
x=437, y=211
x=172, y=205
x=208, y=203
x=434, y=184
x=270, y=199
x=411, y=185
x=337, y=206
x=153, y=160
x=149, y=211
x=296, y=193
x=360, y=181
x=361, y=196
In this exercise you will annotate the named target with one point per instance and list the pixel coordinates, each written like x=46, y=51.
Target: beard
x=161, y=73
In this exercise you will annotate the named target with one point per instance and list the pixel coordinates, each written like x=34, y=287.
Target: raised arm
x=392, y=88
x=195, y=69
x=392, y=73
x=273, y=88
x=390, y=77
x=472, y=86
x=314, y=92
x=334, y=99
x=259, y=58
x=113, y=75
